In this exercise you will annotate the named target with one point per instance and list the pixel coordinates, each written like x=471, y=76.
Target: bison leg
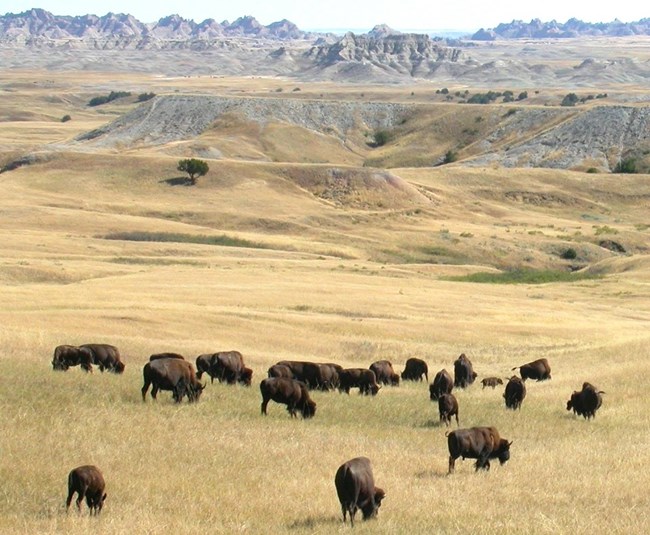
x=154, y=391
x=457, y=422
x=265, y=402
x=147, y=383
x=69, y=499
x=452, y=464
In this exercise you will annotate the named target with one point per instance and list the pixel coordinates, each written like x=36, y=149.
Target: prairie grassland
x=335, y=283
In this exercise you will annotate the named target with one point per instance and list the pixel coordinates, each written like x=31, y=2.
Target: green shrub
x=524, y=276
x=569, y=254
x=381, y=137
x=626, y=165
x=113, y=95
x=66, y=118
x=570, y=99
x=143, y=97
x=450, y=156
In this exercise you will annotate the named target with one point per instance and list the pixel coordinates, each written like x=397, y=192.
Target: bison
x=362, y=378
x=226, y=366
x=539, y=369
x=480, y=443
x=464, y=374
x=87, y=481
x=292, y=393
x=175, y=374
x=491, y=381
x=66, y=356
x=280, y=370
x=515, y=393
x=586, y=402
x=448, y=407
x=355, y=486
x=385, y=373
x=106, y=356
x=442, y=384
x=309, y=373
x=414, y=369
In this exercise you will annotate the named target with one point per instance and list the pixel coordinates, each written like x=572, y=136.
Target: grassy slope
x=317, y=294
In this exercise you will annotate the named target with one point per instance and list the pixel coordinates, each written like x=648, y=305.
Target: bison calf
x=355, y=486
x=491, y=381
x=87, y=481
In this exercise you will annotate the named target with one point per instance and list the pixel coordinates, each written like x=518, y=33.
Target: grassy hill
x=284, y=254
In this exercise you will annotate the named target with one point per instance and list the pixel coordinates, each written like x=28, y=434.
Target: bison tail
x=447, y=433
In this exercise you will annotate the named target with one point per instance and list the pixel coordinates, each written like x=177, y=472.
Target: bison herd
x=290, y=382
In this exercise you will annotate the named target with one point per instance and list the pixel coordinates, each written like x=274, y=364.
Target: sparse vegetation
x=524, y=276
x=626, y=165
x=143, y=97
x=176, y=237
x=113, y=95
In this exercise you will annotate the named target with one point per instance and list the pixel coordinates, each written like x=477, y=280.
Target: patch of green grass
x=524, y=276
x=175, y=237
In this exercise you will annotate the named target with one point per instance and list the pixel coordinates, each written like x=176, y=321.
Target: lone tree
x=193, y=167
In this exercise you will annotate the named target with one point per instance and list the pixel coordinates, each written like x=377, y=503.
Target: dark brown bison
x=586, y=402
x=106, y=356
x=355, y=486
x=464, y=374
x=175, y=374
x=314, y=375
x=203, y=363
x=442, y=384
x=292, y=393
x=515, y=393
x=280, y=370
x=66, y=356
x=448, y=407
x=361, y=378
x=480, y=443
x=385, y=373
x=87, y=481
x=414, y=369
x=539, y=370
x=491, y=381
x=228, y=366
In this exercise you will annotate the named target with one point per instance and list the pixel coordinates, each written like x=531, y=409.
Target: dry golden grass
x=337, y=283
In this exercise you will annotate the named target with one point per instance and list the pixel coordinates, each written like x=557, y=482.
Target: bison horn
x=510, y=443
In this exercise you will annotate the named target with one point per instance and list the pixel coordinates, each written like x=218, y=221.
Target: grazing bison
x=442, y=384
x=515, y=393
x=464, y=374
x=539, y=369
x=106, y=356
x=66, y=356
x=292, y=393
x=175, y=374
x=448, y=407
x=480, y=443
x=491, y=381
x=87, y=481
x=385, y=373
x=229, y=366
x=362, y=378
x=355, y=486
x=414, y=369
x=586, y=402
x=280, y=370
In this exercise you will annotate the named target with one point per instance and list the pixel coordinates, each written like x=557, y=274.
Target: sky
x=363, y=15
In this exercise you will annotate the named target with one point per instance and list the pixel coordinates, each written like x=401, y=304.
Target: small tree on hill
x=194, y=168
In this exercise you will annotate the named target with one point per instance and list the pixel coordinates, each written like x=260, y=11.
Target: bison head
x=309, y=409
x=504, y=451
x=59, y=365
x=119, y=367
x=394, y=379
x=371, y=507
